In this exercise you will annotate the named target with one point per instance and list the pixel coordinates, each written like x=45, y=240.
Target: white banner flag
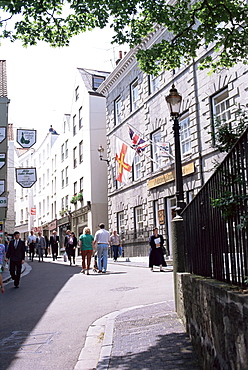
x=124, y=160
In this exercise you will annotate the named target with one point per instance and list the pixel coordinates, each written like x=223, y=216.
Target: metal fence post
x=177, y=232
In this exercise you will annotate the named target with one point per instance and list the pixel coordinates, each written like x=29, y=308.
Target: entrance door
x=171, y=213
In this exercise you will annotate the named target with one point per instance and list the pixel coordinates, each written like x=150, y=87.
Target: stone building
x=137, y=100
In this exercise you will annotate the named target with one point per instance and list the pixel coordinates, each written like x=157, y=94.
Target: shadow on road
x=21, y=309
x=171, y=351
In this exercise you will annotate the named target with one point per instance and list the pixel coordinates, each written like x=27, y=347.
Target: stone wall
x=216, y=318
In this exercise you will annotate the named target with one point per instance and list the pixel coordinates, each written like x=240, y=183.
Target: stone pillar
x=177, y=232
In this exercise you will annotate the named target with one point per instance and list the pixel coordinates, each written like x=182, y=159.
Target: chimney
x=120, y=58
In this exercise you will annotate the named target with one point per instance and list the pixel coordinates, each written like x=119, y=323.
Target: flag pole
x=150, y=140
x=147, y=156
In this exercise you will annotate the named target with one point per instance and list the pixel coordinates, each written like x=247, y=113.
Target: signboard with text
x=3, y=202
x=26, y=138
x=2, y=159
x=26, y=177
x=2, y=187
x=3, y=131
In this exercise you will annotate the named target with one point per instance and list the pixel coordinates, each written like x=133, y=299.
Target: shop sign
x=37, y=229
x=170, y=176
x=52, y=225
x=63, y=220
x=26, y=177
x=2, y=159
x=2, y=134
x=2, y=186
x=26, y=138
x=161, y=217
x=3, y=202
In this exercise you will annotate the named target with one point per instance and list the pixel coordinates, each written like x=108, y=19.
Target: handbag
x=65, y=257
x=163, y=250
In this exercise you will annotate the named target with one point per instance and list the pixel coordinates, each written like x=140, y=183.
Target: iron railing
x=137, y=241
x=216, y=221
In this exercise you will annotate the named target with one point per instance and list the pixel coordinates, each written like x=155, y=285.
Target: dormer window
x=97, y=80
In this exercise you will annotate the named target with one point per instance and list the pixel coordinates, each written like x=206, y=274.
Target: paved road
x=44, y=322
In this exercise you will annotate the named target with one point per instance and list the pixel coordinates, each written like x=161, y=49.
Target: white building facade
x=137, y=100
x=71, y=187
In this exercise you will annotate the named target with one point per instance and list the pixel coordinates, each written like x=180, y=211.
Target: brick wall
x=216, y=318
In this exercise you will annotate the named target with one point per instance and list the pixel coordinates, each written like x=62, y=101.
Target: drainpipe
x=198, y=122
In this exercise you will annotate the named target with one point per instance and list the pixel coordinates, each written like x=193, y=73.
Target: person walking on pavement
x=41, y=245
x=31, y=241
x=70, y=247
x=6, y=241
x=102, y=240
x=16, y=255
x=47, y=245
x=1, y=283
x=156, y=256
x=54, y=242
x=115, y=241
x=86, y=246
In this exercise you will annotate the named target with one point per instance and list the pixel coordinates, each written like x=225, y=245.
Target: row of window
x=76, y=123
x=96, y=82
x=134, y=96
x=221, y=111
x=220, y=104
x=138, y=218
x=64, y=153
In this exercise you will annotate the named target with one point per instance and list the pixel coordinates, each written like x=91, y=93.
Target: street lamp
x=174, y=100
x=101, y=151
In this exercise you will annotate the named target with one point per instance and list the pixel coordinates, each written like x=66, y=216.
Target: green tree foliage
x=226, y=134
x=190, y=24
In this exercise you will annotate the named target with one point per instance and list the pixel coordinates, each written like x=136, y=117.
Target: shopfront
x=79, y=220
x=63, y=225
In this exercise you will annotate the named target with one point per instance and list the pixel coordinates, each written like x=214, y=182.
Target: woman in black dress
x=71, y=245
x=156, y=257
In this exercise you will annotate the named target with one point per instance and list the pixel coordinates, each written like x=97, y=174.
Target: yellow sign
x=170, y=176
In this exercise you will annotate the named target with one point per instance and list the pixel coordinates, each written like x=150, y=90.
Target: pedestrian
x=1, y=283
x=67, y=236
x=31, y=242
x=156, y=256
x=86, y=246
x=2, y=261
x=41, y=245
x=54, y=242
x=16, y=255
x=70, y=248
x=47, y=245
x=115, y=241
x=102, y=240
x=6, y=241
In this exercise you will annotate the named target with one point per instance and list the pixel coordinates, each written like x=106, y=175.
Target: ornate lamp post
x=174, y=100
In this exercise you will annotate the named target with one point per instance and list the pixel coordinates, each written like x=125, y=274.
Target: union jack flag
x=138, y=143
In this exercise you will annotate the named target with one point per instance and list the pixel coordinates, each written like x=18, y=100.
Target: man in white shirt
x=31, y=242
x=102, y=240
x=115, y=241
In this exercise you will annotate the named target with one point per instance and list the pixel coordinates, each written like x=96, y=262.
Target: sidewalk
x=143, y=337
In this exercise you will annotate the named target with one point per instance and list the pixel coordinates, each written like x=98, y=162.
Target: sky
x=40, y=79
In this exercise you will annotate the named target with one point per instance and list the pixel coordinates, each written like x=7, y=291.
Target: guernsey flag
x=124, y=159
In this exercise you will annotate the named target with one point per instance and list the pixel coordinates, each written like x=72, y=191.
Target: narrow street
x=44, y=322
